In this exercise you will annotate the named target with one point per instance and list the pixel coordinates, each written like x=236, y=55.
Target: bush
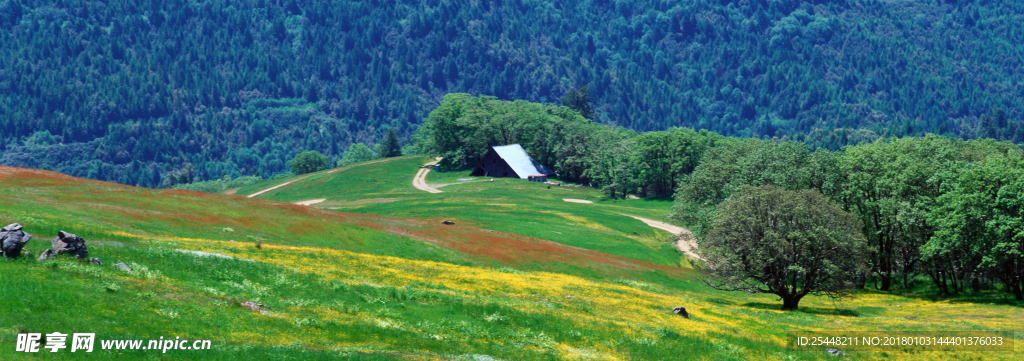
x=308, y=162
x=357, y=153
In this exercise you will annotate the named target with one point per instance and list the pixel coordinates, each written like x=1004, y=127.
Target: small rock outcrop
x=681, y=311
x=66, y=243
x=12, y=240
x=122, y=266
x=835, y=352
x=256, y=306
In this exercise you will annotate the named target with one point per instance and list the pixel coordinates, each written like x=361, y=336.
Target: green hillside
x=573, y=282
x=510, y=205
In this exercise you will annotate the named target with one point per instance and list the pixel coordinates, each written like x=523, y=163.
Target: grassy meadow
x=370, y=273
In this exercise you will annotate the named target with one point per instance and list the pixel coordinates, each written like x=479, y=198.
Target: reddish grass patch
x=505, y=247
x=189, y=209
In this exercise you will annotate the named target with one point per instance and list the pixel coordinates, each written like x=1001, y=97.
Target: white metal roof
x=519, y=160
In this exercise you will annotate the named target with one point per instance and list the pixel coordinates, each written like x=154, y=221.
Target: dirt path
x=271, y=189
x=332, y=171
x=686, y=243
x=310, y=202
x=420, y=180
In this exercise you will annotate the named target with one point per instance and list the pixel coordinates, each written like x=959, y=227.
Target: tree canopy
x=979, y=226
x=308, y=162
x=389, y=147
x=357, y=153
x=767, y=239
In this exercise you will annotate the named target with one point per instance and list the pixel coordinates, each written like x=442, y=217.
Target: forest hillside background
x=143, y=91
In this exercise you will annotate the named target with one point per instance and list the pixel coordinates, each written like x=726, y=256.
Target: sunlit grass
x=339, y=286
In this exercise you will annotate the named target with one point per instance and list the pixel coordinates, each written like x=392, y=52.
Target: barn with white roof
x=511, y=161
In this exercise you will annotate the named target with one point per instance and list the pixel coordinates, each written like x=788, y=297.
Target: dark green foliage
x=928, y=205
x=579, y=100
x=789, y=243
x=220, y=185
x=389, y=147
x=134, y=90
x=464, y=127
x=738, y=162
x=979, y=227
x=308, y=162
x=893, y=184
x=662, y=158
x=620, y=161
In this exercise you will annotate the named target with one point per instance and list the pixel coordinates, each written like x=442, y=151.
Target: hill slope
x=504, y=204
x=359, y=286
x=132, y=91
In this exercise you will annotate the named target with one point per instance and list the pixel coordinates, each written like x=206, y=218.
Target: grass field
x=511, y=205
x=373, y=275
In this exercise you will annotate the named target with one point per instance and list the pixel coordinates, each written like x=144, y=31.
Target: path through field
x=268, y=190
x=420, y=180
x=574, y=200
x=686, y=242
x=310, y=202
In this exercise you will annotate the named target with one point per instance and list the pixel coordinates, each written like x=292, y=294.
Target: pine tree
x=389, y=147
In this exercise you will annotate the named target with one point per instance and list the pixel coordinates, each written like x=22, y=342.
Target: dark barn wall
x=493, y=166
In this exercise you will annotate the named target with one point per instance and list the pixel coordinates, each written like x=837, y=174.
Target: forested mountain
x=136, y=90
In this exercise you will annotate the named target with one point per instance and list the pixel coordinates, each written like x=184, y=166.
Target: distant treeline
x=949, y=209
x=145, y=91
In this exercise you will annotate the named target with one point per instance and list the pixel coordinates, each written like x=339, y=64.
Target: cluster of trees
x=133, y=91
x=951, y=210
x=311, y=161
x=619, y=160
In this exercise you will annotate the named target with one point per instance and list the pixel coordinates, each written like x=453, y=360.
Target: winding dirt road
x=420, y=180
x=686, y=242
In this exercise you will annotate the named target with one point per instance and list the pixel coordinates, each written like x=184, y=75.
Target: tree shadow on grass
x=989, y=297
x=807, y=310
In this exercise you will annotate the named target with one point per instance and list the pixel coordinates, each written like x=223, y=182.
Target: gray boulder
x=835, y=352
x=681, y=311
x=66, y=243
x=256, y=306
x=12, y=240
x=123, y=267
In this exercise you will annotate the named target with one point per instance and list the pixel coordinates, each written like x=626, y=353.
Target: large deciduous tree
x=767, y=239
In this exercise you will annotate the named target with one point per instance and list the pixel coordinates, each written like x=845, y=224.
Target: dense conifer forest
x=159, y=92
